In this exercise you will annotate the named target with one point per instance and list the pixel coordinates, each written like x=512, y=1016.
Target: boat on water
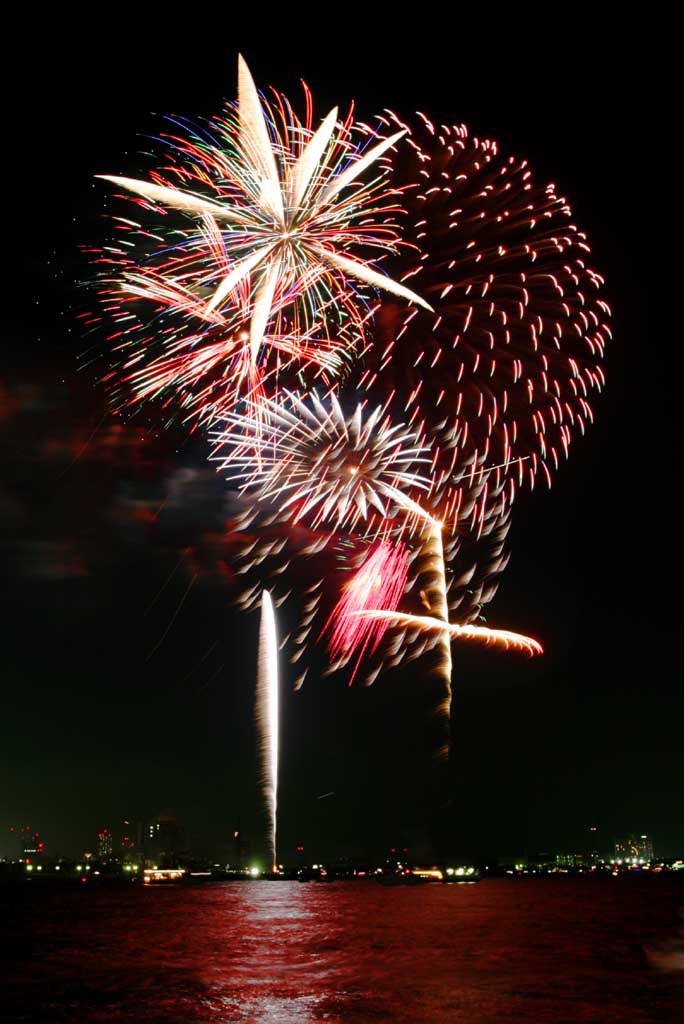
x=420, y=876
x=163, y=876
x=461, y=876
x=402, y=878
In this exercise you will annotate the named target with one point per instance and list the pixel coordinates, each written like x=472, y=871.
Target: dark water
x=520, y=950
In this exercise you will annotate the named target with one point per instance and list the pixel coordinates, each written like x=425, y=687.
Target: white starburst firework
x=286, y=215
x=324, y=467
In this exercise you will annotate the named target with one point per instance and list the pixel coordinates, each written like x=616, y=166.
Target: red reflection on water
x=523, y=951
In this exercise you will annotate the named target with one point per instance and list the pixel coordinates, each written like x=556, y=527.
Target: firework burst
x=256, y=261
x=248, y=275
x=506, y=367
x=317, y=465
x=378, y=584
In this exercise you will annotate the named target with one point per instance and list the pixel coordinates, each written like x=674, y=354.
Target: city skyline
x=162, y=836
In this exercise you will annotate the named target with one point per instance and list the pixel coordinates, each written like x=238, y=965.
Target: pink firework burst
x=378, y=584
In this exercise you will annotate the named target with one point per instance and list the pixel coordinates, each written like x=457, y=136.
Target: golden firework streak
x=436, y=594
x=436, y=599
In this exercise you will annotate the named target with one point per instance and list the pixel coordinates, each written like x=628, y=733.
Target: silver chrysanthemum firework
x=357, y=473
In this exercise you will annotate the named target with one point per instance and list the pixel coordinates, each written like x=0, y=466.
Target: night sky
x=98, y=725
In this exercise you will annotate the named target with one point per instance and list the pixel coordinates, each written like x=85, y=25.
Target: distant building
x=239, y=851
x=105, y=846
x=635, y=848
x=572, y=860
x=162, y=842
x=126, y=842
x=542, y=860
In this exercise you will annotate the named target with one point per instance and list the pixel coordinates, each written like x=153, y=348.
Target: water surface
x=561, y=950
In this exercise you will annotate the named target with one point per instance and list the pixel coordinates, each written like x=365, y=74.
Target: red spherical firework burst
x=505, y=368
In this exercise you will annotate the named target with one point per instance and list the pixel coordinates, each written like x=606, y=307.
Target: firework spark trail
x=211, y=678
x=436, y=595
x=502, y=637
x=165, y=584
x=267, y=717
x=197, y=664
x=83, y=447
x=162, y=638
x=432, y=555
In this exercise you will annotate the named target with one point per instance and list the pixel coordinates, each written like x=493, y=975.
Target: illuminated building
x=127, y=843
x=571, y=860
x=592, y=853
x=162, y=842
x=634, y=848
x=105, y=846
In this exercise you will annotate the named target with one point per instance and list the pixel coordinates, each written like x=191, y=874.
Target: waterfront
x=505, y=950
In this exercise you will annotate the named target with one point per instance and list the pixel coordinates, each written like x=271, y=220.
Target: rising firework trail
x=436, y=600
x=267, y=716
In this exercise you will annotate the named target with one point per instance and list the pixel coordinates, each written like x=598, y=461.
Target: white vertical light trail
x=267, y=715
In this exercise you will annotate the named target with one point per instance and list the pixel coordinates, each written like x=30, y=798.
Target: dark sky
x=96, y=724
